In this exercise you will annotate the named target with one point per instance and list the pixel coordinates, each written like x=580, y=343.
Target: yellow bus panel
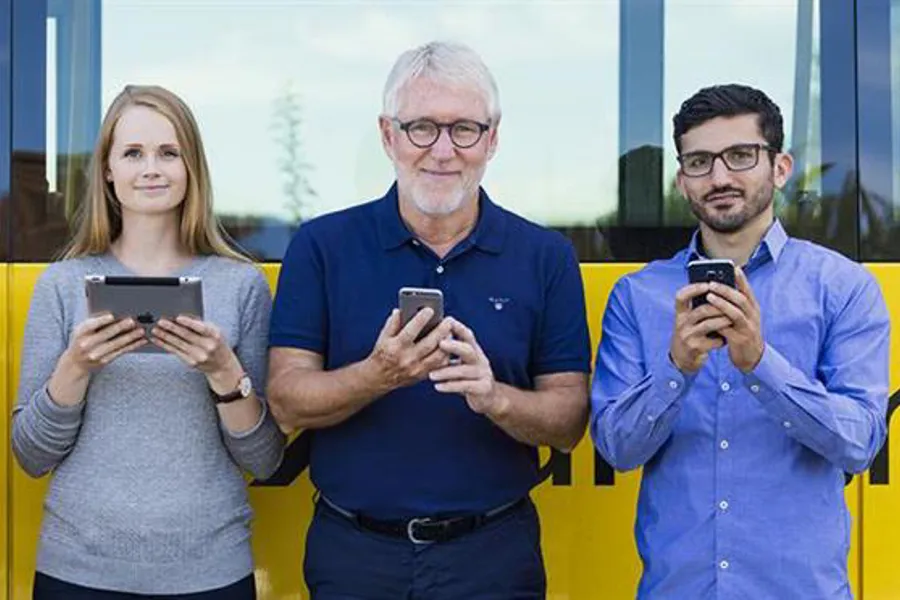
x=4, y=435
x=587, y=512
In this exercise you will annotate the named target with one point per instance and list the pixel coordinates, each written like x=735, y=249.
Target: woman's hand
x=96, y=342
x=201, y=346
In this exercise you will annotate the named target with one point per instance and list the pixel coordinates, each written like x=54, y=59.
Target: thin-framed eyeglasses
x=740, y=157
x=424, y=133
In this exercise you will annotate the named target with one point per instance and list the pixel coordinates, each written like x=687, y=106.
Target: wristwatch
x=243, y=390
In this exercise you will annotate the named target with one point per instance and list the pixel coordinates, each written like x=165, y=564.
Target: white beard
x=434, y=206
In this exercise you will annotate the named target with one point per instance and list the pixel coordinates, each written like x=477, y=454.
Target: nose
x=720, y=175
x=151, y=171
x=443, y=147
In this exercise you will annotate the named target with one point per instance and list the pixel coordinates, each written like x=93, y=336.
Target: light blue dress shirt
x=742, y=490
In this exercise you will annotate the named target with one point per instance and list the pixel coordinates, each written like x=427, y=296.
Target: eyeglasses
x=740, y=157
x=423, y=133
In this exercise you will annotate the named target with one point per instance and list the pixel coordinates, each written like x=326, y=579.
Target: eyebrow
x=140, y=145
x=728, y=147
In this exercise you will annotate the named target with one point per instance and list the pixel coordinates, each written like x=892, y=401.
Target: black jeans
x=49, y=588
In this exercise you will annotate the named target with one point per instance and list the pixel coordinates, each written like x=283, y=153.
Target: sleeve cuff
x=672, y=377
x=56, y=413
x=669, y=383
x=240, y=435
x=768, y=376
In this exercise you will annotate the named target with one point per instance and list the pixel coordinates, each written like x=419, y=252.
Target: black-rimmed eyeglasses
x=423, y=133
x=740, y=157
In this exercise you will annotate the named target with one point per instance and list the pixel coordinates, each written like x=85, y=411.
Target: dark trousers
x=499, y=561
x=49, y=588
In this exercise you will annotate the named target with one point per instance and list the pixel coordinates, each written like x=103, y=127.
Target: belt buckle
x=411, y=535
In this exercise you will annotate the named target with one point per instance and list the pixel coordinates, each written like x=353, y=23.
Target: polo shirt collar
x=392, y=232
x=489, y=233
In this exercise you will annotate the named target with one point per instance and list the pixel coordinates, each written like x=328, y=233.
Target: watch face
x=244, y=386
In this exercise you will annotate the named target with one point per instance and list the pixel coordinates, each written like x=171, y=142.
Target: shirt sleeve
x=840, y=415
x=258, y=450
x=43, y=432
x=300, y=312
x=634, y=404
x=564, y=343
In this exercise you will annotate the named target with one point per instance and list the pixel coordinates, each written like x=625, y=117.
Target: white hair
x=445, y=62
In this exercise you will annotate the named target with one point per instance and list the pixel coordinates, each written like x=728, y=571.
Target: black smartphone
x=719, y=270
x=411, y=300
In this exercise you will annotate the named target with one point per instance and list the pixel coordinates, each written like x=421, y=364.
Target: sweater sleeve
x=43, y=432
x=258, y=450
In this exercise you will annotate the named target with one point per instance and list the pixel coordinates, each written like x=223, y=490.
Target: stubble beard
x=731, y=223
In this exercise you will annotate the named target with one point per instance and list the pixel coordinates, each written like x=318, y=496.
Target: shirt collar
x=772, y=245
x=489, y=233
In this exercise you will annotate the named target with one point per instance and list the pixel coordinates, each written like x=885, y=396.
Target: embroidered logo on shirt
x=498, y=303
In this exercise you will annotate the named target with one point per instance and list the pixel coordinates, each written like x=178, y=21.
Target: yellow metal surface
x=881, y=501
x=587, y=528
x=27, y=495
x=4, y=436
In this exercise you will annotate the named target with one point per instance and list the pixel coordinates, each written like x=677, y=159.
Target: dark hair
x=730, y=100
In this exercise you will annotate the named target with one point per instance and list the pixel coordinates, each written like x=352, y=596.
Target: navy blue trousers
x=49, y=588
x=499, y=561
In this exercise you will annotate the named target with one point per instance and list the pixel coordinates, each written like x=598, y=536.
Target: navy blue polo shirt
x=417, y=451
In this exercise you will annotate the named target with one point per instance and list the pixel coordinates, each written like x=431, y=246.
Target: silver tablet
x=145, y=299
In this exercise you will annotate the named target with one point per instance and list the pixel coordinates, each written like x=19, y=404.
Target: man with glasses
x=745, y=411
x=424, y=444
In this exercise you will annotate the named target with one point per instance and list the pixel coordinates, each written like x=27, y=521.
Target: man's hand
x=744, y=336
x=691, y=342
x=471, y=376
x=398, y=359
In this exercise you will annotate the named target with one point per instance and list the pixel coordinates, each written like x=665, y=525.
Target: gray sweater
x=147, y=494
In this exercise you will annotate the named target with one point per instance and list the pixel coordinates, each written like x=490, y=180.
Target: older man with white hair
x=424, y=442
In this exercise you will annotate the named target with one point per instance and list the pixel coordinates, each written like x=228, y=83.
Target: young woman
x=146, y=449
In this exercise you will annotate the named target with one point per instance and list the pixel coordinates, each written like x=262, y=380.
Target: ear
x=679, y=183
x=107, y=174
x=493, y=138
x=782, y=169
x=388, y=135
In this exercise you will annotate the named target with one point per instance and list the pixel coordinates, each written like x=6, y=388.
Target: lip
x=153, y=190
x=440, y=173
x=728, y=198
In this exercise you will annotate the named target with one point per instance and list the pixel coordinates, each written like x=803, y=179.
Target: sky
x=556, y=63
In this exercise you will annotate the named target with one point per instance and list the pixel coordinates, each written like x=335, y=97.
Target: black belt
x=423, y=530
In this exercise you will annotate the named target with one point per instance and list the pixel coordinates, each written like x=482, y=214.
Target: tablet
x=145, y=299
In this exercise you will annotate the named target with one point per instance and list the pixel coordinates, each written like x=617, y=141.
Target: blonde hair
x=99, y=219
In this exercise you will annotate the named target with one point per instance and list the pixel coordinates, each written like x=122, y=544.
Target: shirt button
x=725, y=387
x=440, y=269
x=650, y=418
x=787, y=424
x=754, y=388
x=673, y=384
x=723, y=564
x=416, y=243
x=723, y=505
x=723, y=444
